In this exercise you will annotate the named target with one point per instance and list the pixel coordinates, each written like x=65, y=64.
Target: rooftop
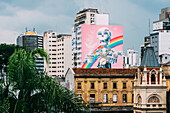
x=149, y=59
x=102, y=71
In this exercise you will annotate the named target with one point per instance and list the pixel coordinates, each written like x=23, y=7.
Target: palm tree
x=28, y=91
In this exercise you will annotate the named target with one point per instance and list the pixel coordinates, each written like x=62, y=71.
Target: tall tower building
x=32, y=40
x=87, y=16
x=150, y=85
x=160, y=37
x=59, y=49
x=50, y=46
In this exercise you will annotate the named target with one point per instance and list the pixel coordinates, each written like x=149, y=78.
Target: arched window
x=153, y=99
x=152, y=79
x=139, y=100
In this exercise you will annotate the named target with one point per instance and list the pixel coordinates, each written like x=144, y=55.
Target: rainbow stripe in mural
x=113, y=43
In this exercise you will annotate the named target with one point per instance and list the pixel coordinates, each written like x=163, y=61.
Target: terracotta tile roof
x=104, y=71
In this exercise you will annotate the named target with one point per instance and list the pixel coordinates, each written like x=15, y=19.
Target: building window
x=124, y=85
x=165, y=57
x=92, y=98
x=114, y=85
x=79, y=95
x=92, y=85
x=105, y=98
x=79, y=86
x=104, y=85
x=114, y=98
x=132, y=84
x=124, y=98
x=152, y=79
x=132, y=98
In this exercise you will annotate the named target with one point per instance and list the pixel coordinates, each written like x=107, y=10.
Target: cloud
x=59, y=15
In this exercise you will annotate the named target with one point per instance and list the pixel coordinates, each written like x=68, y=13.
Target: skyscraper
x=59, y=49
x=160, y=37
x=32, y=40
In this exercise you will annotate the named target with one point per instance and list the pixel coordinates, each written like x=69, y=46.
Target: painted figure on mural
x=106, y=55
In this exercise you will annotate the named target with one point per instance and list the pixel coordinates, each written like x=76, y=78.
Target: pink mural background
x=90, y=42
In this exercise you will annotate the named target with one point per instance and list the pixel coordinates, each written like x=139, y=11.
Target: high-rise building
x=87, y=16
x=32, y=40
x=50, y=46
x=59, y=49
x=64, y=53
x=164, y=20
x=160, y=37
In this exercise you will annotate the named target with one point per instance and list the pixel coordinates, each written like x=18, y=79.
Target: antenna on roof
x=26, y=29
x=34, y=30
x=149, y=26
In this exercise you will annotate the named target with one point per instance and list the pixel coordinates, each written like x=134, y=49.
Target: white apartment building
x=64, y=53
x=59, y=50
x=50, y=46
x=131, y=60
x=160, y=40
x=87, y=16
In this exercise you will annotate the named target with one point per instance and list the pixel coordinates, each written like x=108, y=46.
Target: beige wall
x=86, y=90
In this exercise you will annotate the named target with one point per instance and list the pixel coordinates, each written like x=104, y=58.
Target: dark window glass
x=92, y=85
x=105, y=86
x=114, y=85
x=79, y=86
x=124, y=98
x=124, y=85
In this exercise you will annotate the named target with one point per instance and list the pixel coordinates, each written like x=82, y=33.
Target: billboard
x=102, y=46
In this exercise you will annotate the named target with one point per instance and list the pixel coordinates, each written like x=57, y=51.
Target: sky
x=59, y=16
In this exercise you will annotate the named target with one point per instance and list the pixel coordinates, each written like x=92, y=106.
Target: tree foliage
x=27, y=91
x=5, y=52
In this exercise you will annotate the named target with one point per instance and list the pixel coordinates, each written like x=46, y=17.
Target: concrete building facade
x=150, y=89
x=59, y=49
x=50, y=46
x=104, y=90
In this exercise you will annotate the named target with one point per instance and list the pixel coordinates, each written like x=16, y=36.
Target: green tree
x=27, y=91
x=5, y=52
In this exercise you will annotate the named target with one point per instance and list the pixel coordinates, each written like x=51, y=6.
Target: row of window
x=52, y=45
x=61, y=44
x=60, y=49
x=61, y=71
x=60, y=57
x=105, y=85
x=52, y=41
x=60, y=53
x=52, y=54
x=60, y=66
x=107, y=100
x=60, y=40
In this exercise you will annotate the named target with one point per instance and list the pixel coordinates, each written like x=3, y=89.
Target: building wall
x=64, y=54
x=98, y=90
x=164, y=45
x=50, y=46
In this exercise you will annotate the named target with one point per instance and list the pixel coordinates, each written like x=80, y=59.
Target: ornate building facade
x=150, y=85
